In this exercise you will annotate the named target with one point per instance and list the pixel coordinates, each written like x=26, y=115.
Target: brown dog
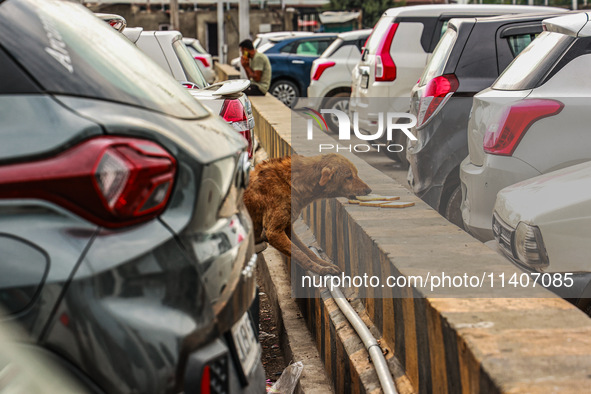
x=280, y=188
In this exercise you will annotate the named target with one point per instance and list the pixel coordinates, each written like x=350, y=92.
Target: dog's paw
x=328, y=270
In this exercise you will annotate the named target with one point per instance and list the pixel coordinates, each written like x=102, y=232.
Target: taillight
x=517, y=119
x=319, y=69
x=234, y=113
x=385, y=69
x=189, y=85
x=111, y=181
x=436, y=93
x=203, y=60
x=206, y=381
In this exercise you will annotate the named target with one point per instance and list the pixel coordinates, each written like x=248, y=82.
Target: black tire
x=339, y=101
x=400, y=157
x=451, y=210
x=584, y=304
x=285, y=91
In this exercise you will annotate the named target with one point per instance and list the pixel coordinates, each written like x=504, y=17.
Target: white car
x=204, y=60
x=330, y=78
x=397, y=52
x=533, y=120
x=543, y=226
x=225, y=98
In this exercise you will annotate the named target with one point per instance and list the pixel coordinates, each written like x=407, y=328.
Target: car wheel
x=400, y=157
x=339, y=101
x=286, y=91
x=452, y=211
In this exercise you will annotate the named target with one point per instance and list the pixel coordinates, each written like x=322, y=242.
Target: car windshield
x=86, y=57
x=528, y=69
x=440, y=56
x=188, y=64
x=378, y=32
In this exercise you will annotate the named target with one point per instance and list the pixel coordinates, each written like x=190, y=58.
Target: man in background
x=257, y=68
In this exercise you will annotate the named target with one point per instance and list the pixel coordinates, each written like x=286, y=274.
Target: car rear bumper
x=480, y=185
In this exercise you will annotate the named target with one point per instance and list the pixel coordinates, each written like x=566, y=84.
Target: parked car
x=543, y=224
x=396, y=54
x=127, y=253
x=469, y=57
x=204, y=60
x=330, y=86
x=532, y=120
x=225, y=98
x=291, y=62
x=264, y=41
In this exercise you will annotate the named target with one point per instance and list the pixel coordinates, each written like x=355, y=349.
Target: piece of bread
x=354, y=202
x=376, y=197
x=373, y=203
x=397, y=204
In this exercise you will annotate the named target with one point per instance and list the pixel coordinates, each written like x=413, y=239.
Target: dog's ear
x=327, y=174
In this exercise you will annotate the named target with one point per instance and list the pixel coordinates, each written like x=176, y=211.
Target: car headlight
x=529, y=247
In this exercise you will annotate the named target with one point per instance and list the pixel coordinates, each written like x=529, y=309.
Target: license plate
x=364, y=81
x=247, y=346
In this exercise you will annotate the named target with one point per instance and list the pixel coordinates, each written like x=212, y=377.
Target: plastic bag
x=288, y=380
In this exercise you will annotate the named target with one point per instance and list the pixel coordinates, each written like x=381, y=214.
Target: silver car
x=543, y=224
x=534, y=119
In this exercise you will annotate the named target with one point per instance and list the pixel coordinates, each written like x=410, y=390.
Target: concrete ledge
x=225, y=72
x=444, y=345
x=296, y=340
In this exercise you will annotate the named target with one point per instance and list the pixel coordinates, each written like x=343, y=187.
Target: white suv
x=397, y=52
x=533, y=120
x=330, y=78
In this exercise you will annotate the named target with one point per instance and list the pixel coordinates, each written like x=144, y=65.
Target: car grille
x=218, y=370
x=503, y=234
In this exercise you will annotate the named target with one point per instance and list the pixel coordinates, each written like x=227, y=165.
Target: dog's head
x=339, y=177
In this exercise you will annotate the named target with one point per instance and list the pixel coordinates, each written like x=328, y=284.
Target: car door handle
x=297, y=61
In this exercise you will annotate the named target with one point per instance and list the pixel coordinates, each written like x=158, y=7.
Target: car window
x=520, y=42
x=527, y=69
x=190, y=68
x=312, y=47
x=378, y=32
x=289, y=48
x=86, y=57
x=440, y=56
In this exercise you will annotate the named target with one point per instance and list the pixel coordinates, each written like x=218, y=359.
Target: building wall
x=195, y=23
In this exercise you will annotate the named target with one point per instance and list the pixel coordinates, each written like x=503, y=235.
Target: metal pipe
x=371, y=344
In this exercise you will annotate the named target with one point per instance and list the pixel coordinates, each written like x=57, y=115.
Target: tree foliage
x=372, y=9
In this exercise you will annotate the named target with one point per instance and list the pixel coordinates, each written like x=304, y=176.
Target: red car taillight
x=111, y=181
x=517, y=119
x=385, y=69
x=203, y=60
x=234, y=113
x=436, y=94
x=206, y=381
x=319, y=69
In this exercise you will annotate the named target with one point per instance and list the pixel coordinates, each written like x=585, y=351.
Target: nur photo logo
x=387, y=124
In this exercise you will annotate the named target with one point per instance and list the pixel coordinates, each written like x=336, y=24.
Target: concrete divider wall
x=444, y=345
x=225, y=72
